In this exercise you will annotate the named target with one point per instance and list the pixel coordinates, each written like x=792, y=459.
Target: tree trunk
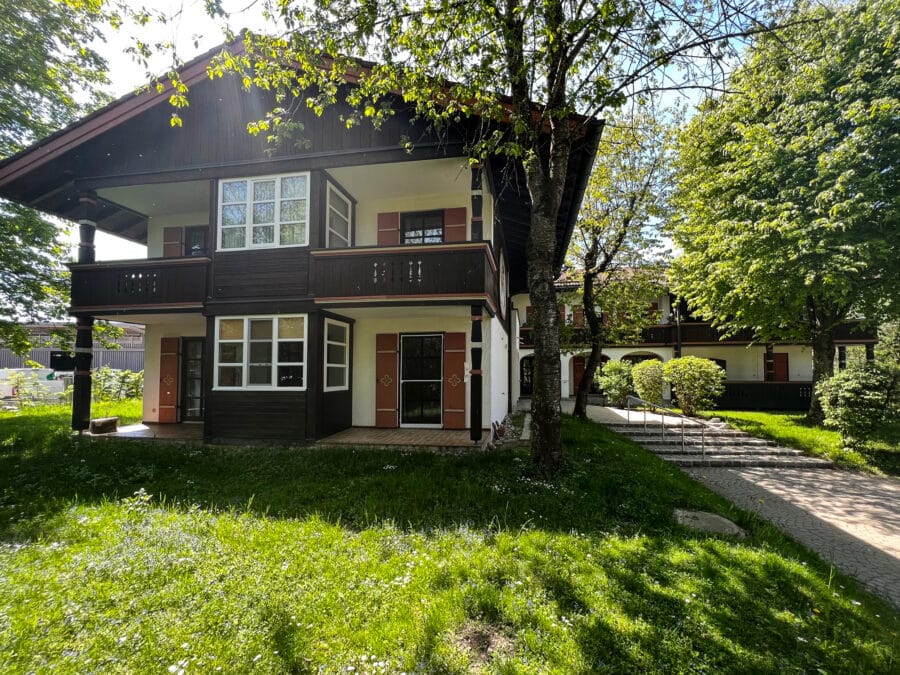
x=546, y=422
x=823, y=367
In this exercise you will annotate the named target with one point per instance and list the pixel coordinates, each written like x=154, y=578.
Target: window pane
x=264, y=234
x=339, y=225
x=335, y=376
x=231, y=352
x=337, y=332
x=293, y=187
x=263, y=190
x=291, y=327
x=293, y=210
x=290, y=376
x=293, y=233
x=233, y=237
x=290, y=352
x=231, y=329
x=334, y=241
x=260, y=375
x=337, y=354
x=264, y=212
x=260, y=352
x=234, y=191
x=261, y=329
x=230, y=376
x=234, y=214
x=339, y=204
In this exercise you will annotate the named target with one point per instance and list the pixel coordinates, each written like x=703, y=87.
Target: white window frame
x=329, y=189
x=248, y=225
x=245, y=364
x=326, y=364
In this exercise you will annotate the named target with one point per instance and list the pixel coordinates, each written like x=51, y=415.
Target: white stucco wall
x=176, y=326
x=364, y=332
x=747, y=363
x=496, y=346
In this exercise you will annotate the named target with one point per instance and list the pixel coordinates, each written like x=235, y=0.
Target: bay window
x=260, y=352
x=264, y=212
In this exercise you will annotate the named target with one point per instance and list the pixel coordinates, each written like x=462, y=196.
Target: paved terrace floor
x=186, y=432
x=420, y=438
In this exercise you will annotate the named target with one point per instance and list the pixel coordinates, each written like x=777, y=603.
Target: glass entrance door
x=421, y=377
x=192, y=379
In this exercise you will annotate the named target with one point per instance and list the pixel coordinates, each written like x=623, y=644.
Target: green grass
x=792, y=430
x=122, y=556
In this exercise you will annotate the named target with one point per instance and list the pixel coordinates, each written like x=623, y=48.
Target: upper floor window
x=260, y=352
x=422, y=227
x=338, y=220
x=264, y=212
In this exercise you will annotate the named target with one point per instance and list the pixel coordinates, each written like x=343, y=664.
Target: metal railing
x=662, y=422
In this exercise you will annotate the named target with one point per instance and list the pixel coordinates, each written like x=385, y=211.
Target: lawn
x=120, y=556
x=791, y=429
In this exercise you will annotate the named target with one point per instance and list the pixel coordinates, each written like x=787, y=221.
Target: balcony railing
x=132, y=286
x=369, y=274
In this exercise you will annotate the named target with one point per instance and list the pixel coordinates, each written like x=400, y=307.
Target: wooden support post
x=476, y=379
x=84, y=340
x=477, y=198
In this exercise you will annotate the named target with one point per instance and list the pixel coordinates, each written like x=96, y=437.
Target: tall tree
x=526, y=68
x=787, y=202
x=616, y=250
x=46, y=63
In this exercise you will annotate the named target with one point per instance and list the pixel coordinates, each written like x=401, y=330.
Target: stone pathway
x=850, y=520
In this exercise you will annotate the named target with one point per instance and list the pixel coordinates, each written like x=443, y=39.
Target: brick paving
x=851, y=520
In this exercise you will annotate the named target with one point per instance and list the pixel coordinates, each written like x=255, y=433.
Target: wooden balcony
x=139, y=286
x=464, y=272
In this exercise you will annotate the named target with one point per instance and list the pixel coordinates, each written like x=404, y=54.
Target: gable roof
x=130, y=141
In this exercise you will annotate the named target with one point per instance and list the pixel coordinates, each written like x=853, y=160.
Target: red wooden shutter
x=578, y=318
x=386, y=381
x=173, y=242
x=780, y=361
x=455, y=224
x=577, y=371
x=454, y=381
x=168, y=380
x=388, y=229
x=528, y=315
x=562, y=314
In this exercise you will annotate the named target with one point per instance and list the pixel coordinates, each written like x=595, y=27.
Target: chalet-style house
x=758, y=376
x=292, y=294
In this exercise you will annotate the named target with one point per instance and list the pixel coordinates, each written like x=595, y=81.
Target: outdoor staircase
x=724, y=446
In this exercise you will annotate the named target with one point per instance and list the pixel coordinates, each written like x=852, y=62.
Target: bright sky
x=125, y=75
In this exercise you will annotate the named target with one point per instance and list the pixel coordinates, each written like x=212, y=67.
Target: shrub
x=648, y=380
x=696, y=382
x=857, y=400
x=114, y=385
x=29, y=391
x=616, y=381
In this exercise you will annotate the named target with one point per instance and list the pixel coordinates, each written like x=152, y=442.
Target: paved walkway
x=851, y=520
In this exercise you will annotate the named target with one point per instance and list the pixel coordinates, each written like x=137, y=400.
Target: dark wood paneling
x=258, y=415
x=267, y=273
x=138, y=284
x=337, y=412
x=416, y=271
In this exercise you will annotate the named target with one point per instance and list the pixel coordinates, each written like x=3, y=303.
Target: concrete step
x=759, y=451
x=650, y=430
x=785, y=462
x=674, y=439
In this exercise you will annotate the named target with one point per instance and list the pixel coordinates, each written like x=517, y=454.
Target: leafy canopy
x=787, y=208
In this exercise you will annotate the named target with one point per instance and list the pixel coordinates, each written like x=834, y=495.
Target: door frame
x=182, y=394
x=401, y=381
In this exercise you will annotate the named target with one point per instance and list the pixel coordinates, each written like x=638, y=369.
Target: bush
x=857, y=400
x=696, y=382
x=114, y=385
x=616, y=381
x=648, y=380
x=29, y=391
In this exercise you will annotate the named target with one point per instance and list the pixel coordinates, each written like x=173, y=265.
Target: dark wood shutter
x=528, y=315
x=168, y=380
x=562, y=314
x=455, y=224
x=387, y=381
x=389, y=229
x=578, y=318
x=173, y=242
x=454, y=380
x=780, y=367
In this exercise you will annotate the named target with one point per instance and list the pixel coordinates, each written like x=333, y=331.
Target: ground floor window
x=337, y=355
x=260, y=352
